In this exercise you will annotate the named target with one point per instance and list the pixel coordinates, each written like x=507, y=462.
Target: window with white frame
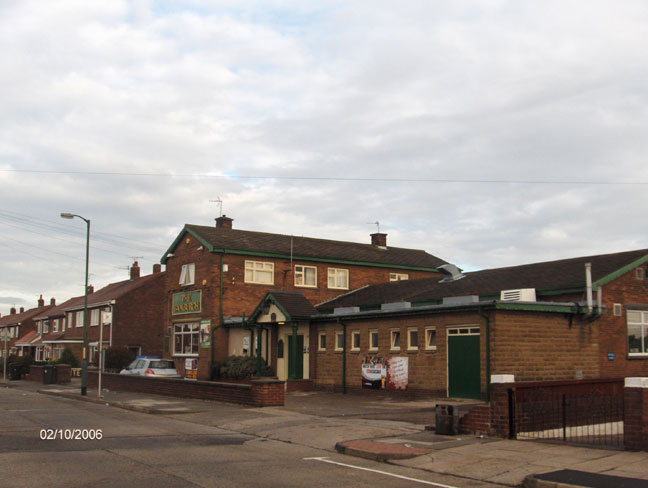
x=637, y=333
x=430, y=339
x=94, y=316
x=412, y=339
x=40, y=353
x=398, y=276
x=69, y=320
x=187, y=274
x=55, y=326
x=185, y=339
x=355, y=340
x=45, y=326
x=338, y=278
x=373, y=340
x=58, y=351
x=321, y=342
x=79, y=318
x=305, y=276
x=339, y=341
x=394, y=339
x=39, y=327
x=259, y=272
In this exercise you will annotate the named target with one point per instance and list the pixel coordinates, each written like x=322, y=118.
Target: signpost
x=6, y=337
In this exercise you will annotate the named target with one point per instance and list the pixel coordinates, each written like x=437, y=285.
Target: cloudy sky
x=489, y=133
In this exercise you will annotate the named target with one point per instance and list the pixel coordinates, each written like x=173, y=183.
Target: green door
x=464, y=380
x=296, y=360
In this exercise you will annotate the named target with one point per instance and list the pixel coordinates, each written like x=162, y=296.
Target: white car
x=154, y=367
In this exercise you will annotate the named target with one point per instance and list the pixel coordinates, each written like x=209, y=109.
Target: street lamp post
x=84, y=360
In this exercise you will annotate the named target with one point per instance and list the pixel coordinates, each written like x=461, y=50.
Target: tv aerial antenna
x=377, y=224
x=220, y=205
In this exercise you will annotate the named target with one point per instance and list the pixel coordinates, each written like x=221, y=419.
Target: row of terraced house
x=341, y=315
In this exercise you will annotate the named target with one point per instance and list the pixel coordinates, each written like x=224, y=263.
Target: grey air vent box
x=390, y=307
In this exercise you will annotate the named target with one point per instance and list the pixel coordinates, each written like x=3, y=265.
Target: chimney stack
x=157, y=268
x=41, y=302
x=135, y=271
x=52, y=301
x=12, y=311
x=90, y=289
x=224, y=222
x=379, y=239
x=22, y=309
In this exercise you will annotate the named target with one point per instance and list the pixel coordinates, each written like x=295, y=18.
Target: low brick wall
x=299, y=385
x=259, y=393
x=62, y=374
x=636, y=416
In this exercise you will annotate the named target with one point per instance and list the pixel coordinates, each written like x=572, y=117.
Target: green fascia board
x=621, y=271
x=319, y=260
x=179, y=238
x=532, y=307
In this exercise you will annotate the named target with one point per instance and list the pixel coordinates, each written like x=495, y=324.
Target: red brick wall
x=537, y=346
x=258, y=393
x=624, y=290
x=635, y=426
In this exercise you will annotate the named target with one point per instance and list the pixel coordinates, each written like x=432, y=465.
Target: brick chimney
x=41, y=302
x=134, y=271
x=12, y=311
x=157, y=268
x=379, y=239
x=224, y=222
x=90, y=289
x=22, y=309
x=52, y=301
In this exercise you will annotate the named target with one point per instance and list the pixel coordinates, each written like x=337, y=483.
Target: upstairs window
x=45, y=326
x=187, y=274
x=338, y=278
x=306, y=276
x=259, y=272
x=79, y=318
x=55, y=325
x=94, y=316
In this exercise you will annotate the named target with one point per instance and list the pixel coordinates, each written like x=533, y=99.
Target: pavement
x=392, y=430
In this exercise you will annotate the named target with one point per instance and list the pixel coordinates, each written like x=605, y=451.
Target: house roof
x=109, y=292
x=252, y=243
x=27, y=339
x=26, y=315
x=548, y=278
x=291, y=303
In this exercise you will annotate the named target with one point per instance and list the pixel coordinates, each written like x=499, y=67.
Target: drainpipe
x=220, y=308
x=488, y=361
x=344, y=354
x=588, y=282
x=599, y=300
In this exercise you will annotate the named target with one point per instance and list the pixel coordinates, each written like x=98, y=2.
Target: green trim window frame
x=373, y=340
x=394, y=340
x=637, y=333
x=321, y=341
x=187, y=274
x=186, y=338
x=355, y=340
x=305, y=276
x=398, y=276
x=339, y=341
x=338, y=278
x=430, y=339
x=259, y=272
x=412, y=339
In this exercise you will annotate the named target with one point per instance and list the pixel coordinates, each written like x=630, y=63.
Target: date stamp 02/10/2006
x=71, y=434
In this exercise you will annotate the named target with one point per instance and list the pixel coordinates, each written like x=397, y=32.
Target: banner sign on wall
x=397, y=373
x=187, y=302
x=381, y=373
x=205, y=337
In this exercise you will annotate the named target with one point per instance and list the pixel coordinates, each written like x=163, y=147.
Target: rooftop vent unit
x=462, y=300
x=519, y=295
x=391, y=307
x=451, y=272
x=345, y=310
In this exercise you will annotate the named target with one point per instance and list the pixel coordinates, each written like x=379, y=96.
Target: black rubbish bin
x=445, y=419
x=48, y=374
x=14, y=371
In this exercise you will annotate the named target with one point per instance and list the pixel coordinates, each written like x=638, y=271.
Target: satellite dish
x=451, y=272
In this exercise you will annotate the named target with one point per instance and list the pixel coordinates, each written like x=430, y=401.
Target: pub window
x=259, y=272
x=186, y=338
x=412, y=339
x=187, y=274
x=306, y=276
x=430, y=339
x=398, y=276
x=339, y=341
x=395, y=339
x=355, y=340
x=338, y=278
x=373, y=340
x=637, y=333
x=321, y=344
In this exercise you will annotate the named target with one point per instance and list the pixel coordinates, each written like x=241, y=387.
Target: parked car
x=151, y=366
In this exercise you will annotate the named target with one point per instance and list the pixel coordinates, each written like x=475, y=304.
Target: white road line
x=327, y=460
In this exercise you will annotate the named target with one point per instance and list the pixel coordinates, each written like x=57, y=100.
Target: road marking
x=327, y=460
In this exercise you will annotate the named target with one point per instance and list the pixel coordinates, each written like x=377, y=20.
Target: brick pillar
x=499, y=404
x=268, y=392
x=635, y=414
